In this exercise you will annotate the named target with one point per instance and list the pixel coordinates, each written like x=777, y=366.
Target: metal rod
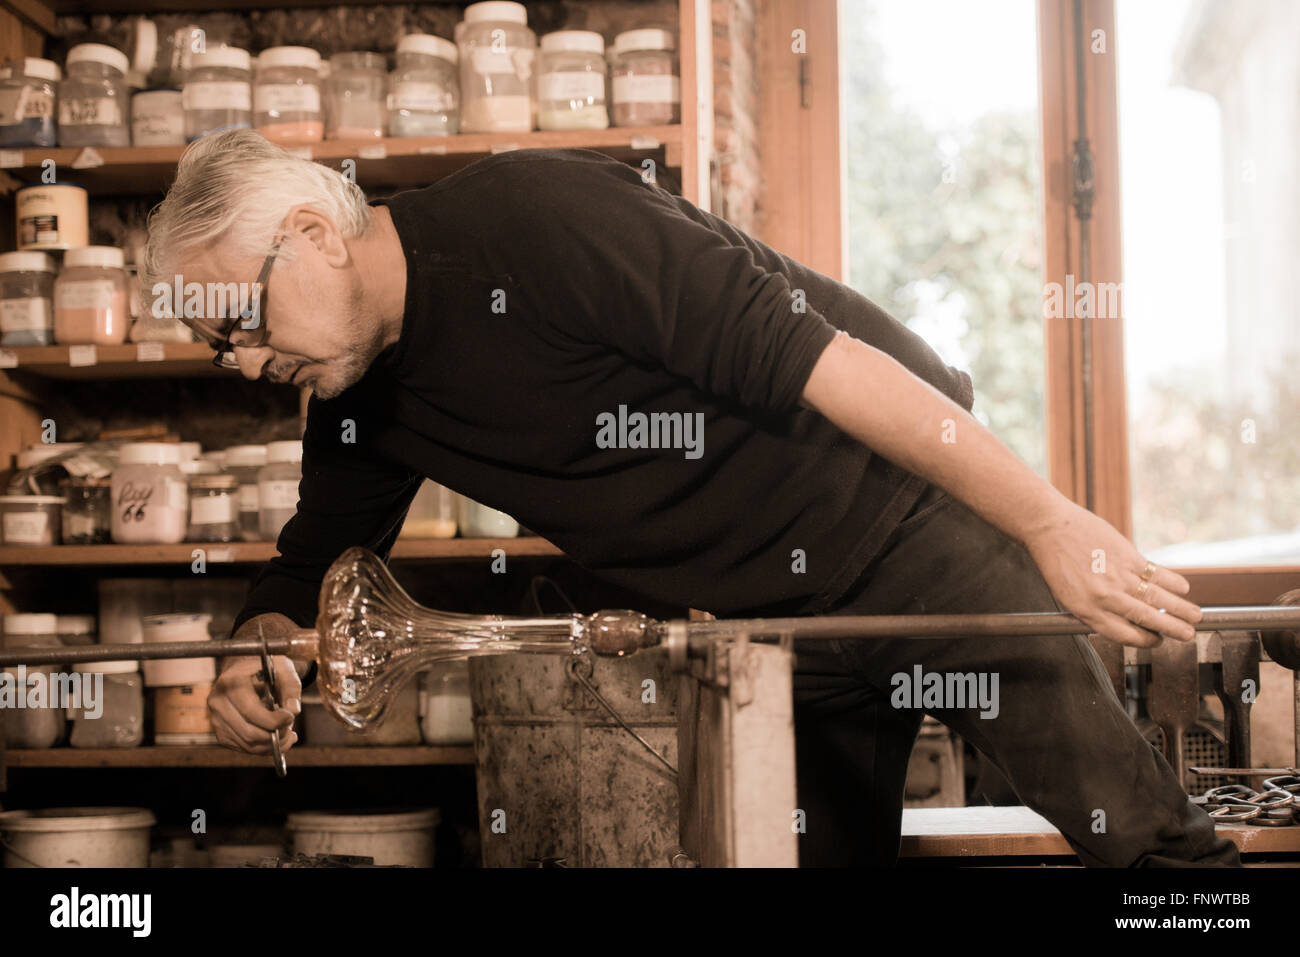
x=302, y=643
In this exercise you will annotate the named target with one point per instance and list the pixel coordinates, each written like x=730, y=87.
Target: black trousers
x=1061, y=737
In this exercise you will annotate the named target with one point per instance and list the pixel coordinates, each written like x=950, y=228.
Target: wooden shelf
x=407, y=161
x=247, y=553
x=218, y=757
x=178, y=360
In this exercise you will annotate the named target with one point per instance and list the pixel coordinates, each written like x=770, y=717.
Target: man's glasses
x=225, y=356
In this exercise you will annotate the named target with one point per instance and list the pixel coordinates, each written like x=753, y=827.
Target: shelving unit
x=29, y=377
x=217, y=757
x=247, y=553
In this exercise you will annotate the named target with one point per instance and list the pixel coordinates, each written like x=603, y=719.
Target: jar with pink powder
x=286, y=96
x=150, y=495
x=92, y=297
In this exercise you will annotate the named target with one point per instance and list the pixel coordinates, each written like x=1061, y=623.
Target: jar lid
x=164, y=96
x=226, y=482
x=99, y=53
x=34, y=66
x=190, y=450
x=574, y=41
x=645, y=38
x=199, y=466
x=32, y=500
x=31, y=624
x=304, y=57
x=26, y=262
x=76, y=624
x=429, y=45
x=106, y=667
x=242, y=456
x=150, y=453
x=109, y=257
x=231, y=57
x=290, y=451
x=496, y=10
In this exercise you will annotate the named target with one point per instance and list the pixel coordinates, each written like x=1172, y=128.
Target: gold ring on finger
x=1149, y=571
x=1142, y=589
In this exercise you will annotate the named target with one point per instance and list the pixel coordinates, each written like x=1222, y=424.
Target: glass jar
x=31, y=630
x=149, y=495
x=432, y=513
x=157, y=118
x=286, y=96
x=571, y=81
x=496, y=68
x=93, y=99
x=645, y=85
x=87, y=510
x=75, y=630
x=244, y=462
x=32, y=723
x=447, y=716
x=480, y=521
x=26, y=291
x=214, y=509
x=218, y=92
x=357, y=94
x=277, y=487
x=92, y=297
x=28, y=96
x=425, y=93
x=117, y=720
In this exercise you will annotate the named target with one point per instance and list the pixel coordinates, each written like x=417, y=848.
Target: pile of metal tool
x=1275, y=806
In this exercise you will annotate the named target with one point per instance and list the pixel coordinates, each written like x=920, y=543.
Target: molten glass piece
x=374, y=637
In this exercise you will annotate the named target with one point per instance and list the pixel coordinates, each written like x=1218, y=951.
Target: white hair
x=236, y=188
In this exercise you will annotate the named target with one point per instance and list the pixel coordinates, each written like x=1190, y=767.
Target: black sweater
x=547, y=288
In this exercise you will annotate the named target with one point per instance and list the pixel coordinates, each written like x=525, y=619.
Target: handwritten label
x=149, y=352
x=88, y=159
x=644, y=143
x=376, y=152
x=11, y=158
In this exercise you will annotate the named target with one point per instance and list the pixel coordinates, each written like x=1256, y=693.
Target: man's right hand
x=239, y=718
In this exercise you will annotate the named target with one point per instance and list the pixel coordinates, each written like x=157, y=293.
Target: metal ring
x=1149, y=571
x=676, y=640
x=1143, y=586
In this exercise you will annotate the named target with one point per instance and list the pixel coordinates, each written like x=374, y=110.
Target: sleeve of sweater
x=625, y=266
x=347, y=496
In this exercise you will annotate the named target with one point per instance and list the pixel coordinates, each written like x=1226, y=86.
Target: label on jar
x=27, y=528
x=90, y=111
x=421, y=98
x=39, y=105
x=217, y=95
x=278, y=494
x=77, y=526
x=25, y=315
x=212, y=509
x=40, y=230
x=640, y=88
x=157, y=127
x=571, y=86
x=248, y=498
x=283, y=98
x=486, y=61
x=86, y=294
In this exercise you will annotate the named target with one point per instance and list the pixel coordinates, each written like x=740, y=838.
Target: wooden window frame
x=803, y=214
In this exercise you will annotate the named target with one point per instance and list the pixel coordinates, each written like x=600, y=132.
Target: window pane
x=1209, y=96
x=944, y=199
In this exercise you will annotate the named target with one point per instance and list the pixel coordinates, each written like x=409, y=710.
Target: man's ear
x=313, y=226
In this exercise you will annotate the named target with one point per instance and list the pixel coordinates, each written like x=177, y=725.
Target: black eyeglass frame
x=259, y=337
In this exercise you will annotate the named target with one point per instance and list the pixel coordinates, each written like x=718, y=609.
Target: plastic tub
x=31, y=519
x=396, y=838
x=77, y=837
x=174, y=672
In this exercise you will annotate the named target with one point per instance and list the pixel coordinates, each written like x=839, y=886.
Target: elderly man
x=502, y=330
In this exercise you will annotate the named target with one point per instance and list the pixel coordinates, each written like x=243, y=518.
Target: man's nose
x=252, y=359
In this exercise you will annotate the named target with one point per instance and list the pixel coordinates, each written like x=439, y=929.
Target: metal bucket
x=558, y=779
